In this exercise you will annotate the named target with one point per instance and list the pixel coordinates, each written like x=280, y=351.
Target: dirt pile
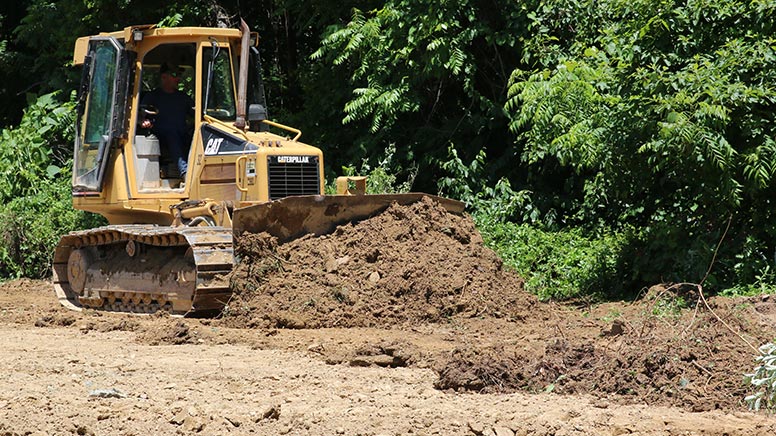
x=662, y=349
x=409, y=264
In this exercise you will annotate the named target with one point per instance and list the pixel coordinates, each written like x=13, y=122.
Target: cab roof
x=150, y=31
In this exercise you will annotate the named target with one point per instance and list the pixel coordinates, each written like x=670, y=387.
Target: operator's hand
x=146, y=124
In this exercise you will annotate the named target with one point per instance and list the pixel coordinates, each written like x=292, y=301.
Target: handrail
x=226, y=126
x=239, y=179
x=213, y=120
x=284, y=127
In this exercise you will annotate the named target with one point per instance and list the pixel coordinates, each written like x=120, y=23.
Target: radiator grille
x=293, y=175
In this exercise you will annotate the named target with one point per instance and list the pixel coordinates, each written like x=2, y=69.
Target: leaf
x=53, y=170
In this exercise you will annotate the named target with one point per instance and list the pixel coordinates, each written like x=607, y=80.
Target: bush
x=605, y=259
x=39, y=147
x=30, y=228
x=35, y=203
x=381, y=178
x=558, y=264
x=634, y=114
x=763, y=379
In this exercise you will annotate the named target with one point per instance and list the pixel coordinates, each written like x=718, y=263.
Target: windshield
x=219, y=100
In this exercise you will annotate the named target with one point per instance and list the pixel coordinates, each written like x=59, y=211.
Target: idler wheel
x=77, y=265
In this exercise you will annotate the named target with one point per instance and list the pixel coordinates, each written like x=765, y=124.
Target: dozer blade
x=293, y=217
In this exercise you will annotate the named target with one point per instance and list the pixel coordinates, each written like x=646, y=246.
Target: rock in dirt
x=616, y=329
x=476, y=427
x=383, y=360
x=503, y=431
x=107, y=393
x=55, y=321
x=233, y=420
x=179, y=418
x=193, y=424
x=271, y=412
x=387, y=355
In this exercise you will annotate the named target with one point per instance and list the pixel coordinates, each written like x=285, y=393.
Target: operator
x=169, y=124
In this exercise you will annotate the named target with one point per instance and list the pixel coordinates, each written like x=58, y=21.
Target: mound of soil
x=409, y=264
x=694, y=357
x=167, y=332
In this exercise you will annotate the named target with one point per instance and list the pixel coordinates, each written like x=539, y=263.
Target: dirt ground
x=401, y=324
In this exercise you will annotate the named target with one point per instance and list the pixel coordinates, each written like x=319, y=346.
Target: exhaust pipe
x=242, y=82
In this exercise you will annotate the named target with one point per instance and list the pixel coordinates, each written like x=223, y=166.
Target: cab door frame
x=101, y=120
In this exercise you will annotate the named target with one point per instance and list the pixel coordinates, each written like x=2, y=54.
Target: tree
x=661, y=116
x=426, y=74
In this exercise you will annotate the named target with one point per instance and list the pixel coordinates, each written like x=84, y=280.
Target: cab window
x=218, y=99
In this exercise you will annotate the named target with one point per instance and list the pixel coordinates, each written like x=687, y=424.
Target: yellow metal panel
x=81, y=47
x=218, y=173
x=221, y=191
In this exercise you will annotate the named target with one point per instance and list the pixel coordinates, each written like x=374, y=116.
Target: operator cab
x=155, y=167
x=218, y=99
x=118, y=75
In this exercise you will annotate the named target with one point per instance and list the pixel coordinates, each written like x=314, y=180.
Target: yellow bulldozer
x=168, y=245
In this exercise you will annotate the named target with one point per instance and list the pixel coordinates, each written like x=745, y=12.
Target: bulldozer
x=168, y=245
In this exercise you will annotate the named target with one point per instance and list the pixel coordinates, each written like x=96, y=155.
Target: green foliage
x=566, y=114
x=30, y=227
x=657, y=116
x=384, y=53
x=764, y=283
x=763, y=379
x=170, y=20
x=469, y=183
x=558, y=264
x=426, y=74
x=35, y=160
x=382, y=178
x=37, y=148
x=41, y=34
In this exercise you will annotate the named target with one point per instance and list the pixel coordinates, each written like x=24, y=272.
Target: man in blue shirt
x=169, y=125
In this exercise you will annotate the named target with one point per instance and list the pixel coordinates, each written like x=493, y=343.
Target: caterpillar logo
x=213, y=144
x=293, y=159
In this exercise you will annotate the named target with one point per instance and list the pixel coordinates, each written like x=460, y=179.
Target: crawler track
x=145, y=268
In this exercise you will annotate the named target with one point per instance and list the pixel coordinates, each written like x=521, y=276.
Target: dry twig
x=701, y=297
